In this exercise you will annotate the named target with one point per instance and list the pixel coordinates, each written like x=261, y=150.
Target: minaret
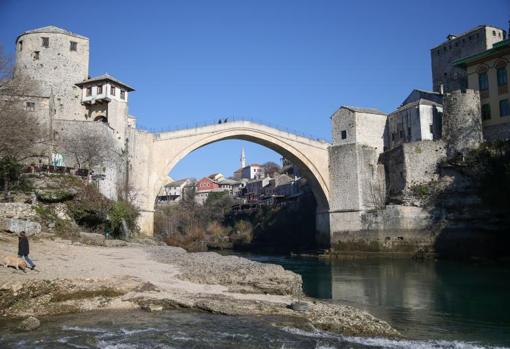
x=243, y=159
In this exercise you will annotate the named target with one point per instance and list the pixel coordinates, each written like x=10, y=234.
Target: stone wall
x=462, y=121
x=412, y=163
x=114, y=167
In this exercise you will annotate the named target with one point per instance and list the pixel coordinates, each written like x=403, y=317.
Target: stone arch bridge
x=154, y=155
x=342, y=175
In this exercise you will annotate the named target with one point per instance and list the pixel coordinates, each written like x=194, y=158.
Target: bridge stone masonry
x=340, y=174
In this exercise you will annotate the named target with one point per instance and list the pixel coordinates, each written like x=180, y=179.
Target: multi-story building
x=253, y=171
x=488, y=72
x=175, y=191
x=417, y=119
x=446, y=76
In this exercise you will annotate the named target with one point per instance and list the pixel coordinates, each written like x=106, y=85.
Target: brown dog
x=15, y=262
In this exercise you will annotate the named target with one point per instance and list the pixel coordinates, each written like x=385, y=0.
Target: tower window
x=483, y=82
x=112, y=91
x=344, y=134
x=100, y=89
x=30, y=106
x=504, y=108
x=493, y=33
x=122, y=94
x=502, y=76
x=36, y=55
x=88, y=92
x=73, y=46
x=20, y=45
x=45, y=42
x=486, y=111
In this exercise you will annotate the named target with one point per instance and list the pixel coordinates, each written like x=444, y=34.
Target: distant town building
x=417, y=119
x=253, y=171
x=206, y=184
x=175, y=191
x=446, y=76
x=488, y=73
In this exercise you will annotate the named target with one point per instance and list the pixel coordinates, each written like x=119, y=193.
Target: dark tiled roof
x=52, y=29
x=363, y=110
x=105, y=77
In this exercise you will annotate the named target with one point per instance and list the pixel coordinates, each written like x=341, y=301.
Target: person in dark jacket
x=24, y=249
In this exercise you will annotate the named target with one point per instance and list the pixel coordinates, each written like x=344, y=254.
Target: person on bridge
x=24, y=249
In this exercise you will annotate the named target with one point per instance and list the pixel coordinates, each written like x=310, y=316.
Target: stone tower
x=55, y=59
x=462, y=121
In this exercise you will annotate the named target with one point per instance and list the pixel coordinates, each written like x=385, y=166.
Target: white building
x=417, y=119
x=253, y=171
x=175, y=191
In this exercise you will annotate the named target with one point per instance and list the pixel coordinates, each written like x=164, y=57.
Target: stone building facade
x=417, y=119
x=446, y=76
x=489, y=73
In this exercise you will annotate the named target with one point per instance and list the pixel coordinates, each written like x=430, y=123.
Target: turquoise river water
x=434, y=304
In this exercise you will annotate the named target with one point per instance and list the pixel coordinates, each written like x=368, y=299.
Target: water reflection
x=442, y=300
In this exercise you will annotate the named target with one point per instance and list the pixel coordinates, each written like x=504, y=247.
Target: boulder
x=29, y=324
x=92, y=239
x=299, y=306
x=115, y=243
x=16, y=226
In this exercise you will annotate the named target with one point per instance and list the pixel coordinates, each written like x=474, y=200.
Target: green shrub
x=122, y=210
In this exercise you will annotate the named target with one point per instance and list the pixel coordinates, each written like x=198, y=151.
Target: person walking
x=24, y=249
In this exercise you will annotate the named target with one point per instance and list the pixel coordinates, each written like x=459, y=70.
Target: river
x=449, y=305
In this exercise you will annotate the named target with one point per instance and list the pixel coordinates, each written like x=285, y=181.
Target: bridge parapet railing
x=199, y=125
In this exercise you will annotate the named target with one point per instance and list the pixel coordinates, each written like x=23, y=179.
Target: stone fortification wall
x=411, y=164
x=114, y=167
x=462, y=122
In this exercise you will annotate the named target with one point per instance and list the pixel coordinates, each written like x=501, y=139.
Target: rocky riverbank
x=77, y=278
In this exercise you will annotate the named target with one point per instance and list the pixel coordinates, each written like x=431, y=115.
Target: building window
x=502, y=76
x=486, y=111
x=100, y=89
x=504, y=108
x=409, y=133
x=493, y=33
x=88, y=92
x=401, y=134
x=393, y=136
x=112, y=90
x=483, y=81
x=73, y=46
x=20, y=45
x=36, y=55
x=344, y=134
x=45, y=42
x=122, y=94
x=30, y=106
x=431, y=128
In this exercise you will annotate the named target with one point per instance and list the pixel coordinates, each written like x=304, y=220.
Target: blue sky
x=291, y=63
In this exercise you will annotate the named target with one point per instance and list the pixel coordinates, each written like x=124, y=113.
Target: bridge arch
x=157, y=154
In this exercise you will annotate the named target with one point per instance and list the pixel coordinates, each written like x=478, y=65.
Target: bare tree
x=21, y=136
x=89, y=149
